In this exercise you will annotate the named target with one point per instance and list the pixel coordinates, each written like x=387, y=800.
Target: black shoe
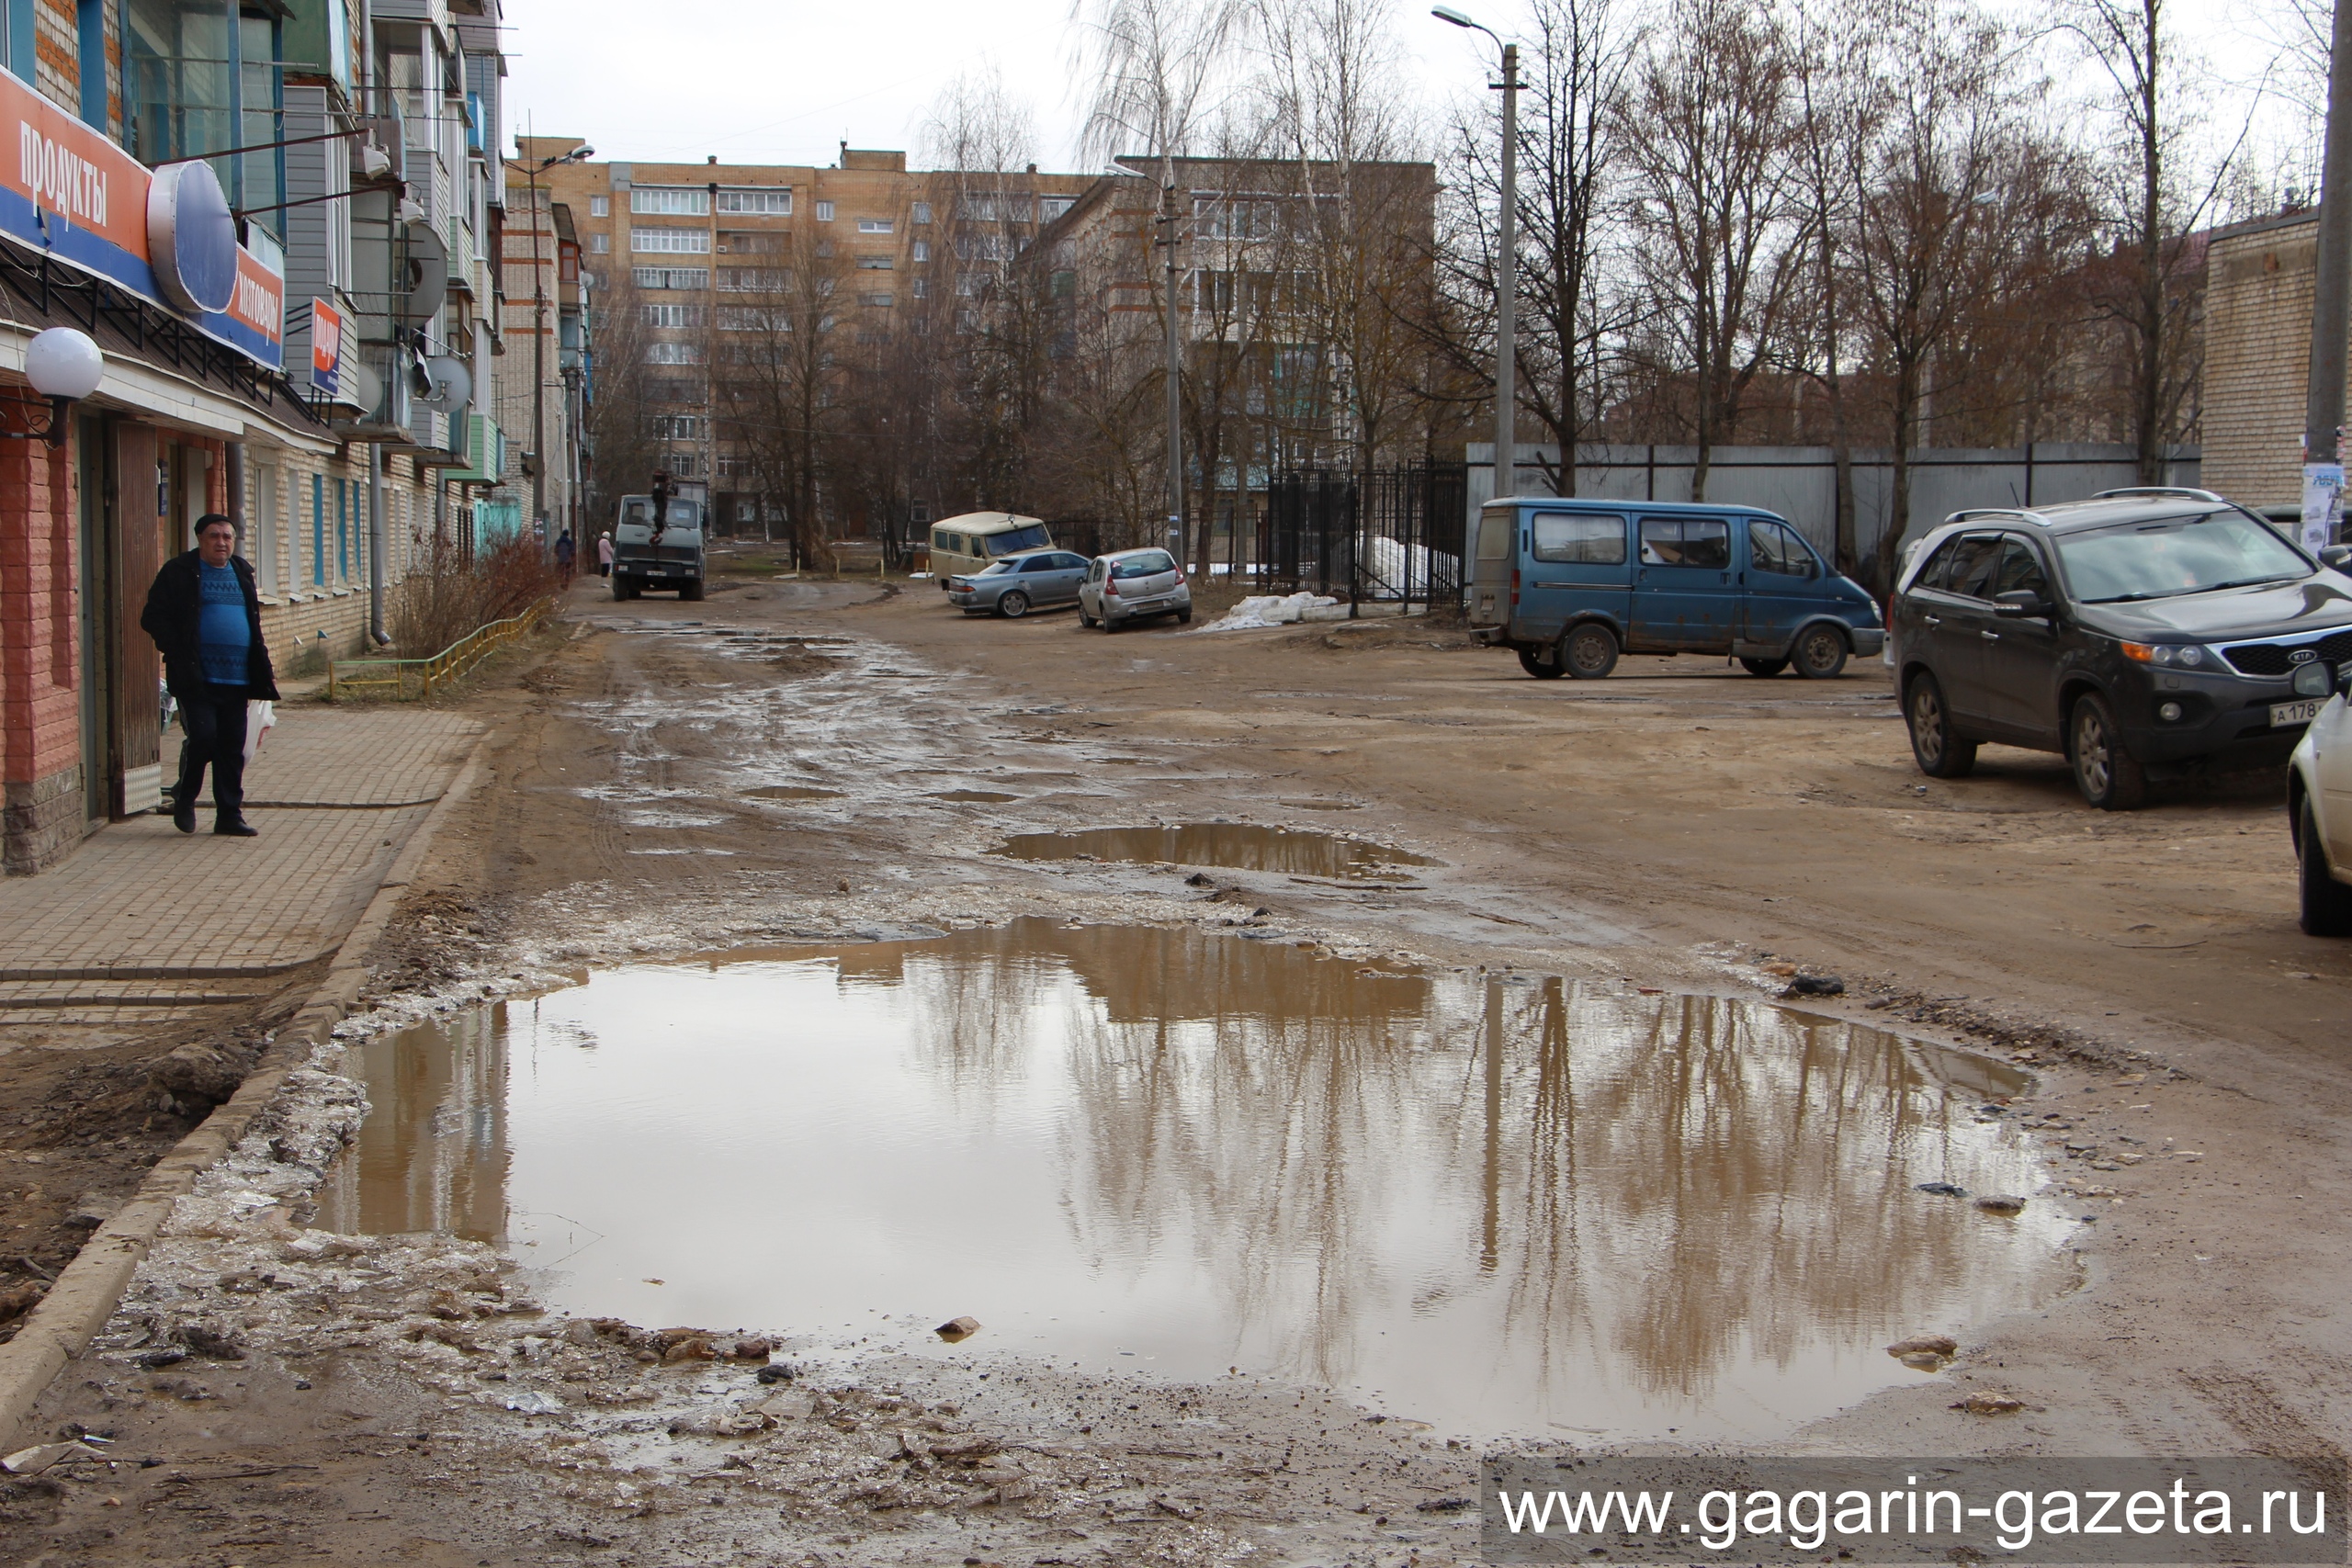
x=236, y=828
x=182, y=814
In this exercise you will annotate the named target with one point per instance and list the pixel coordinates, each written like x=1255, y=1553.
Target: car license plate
x=2302, y=712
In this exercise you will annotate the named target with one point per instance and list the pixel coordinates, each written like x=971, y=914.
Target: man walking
x=204, y=613
x=565, y=550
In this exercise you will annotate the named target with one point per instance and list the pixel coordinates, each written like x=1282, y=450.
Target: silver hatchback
x=1133, y=585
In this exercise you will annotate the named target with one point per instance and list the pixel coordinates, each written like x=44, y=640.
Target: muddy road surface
x=1312, y=1055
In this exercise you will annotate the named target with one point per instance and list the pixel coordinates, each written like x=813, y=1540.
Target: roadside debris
x=1985, y=1401
x=957, y=1328
x=2001, y=1204
x=1943, y=1188
x=1925, y=1352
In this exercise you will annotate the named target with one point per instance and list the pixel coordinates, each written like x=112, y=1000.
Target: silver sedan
x=1034, y=579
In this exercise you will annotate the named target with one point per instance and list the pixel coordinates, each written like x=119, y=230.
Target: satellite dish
x=452, y=385
x=362, y=388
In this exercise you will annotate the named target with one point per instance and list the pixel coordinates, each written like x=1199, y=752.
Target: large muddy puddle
x=1241, y=845
x=1496, y=1204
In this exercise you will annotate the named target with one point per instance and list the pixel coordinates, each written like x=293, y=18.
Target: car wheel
x=1589, y=652
x=2327, y=903
x=1820, y=654
x=1764, y=667
x=1543, y=663
x=1940, y=753
x=1085, y=621
x=622, y=590
x=2104, y=771
x=1185, y=617
x=1012, y=604
x=691, y=593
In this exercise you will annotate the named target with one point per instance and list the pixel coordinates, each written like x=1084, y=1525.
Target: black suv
x=2143, y=629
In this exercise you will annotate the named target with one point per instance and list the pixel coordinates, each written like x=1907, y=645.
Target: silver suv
x=1132, y=585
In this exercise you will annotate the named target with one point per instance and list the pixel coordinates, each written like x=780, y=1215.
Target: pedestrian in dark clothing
x=204, y=613
x=565, y=551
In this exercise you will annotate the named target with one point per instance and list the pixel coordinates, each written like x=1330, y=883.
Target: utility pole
x=539, y=341
x=1168, y=218
x=1507, y=293
x=2331, y=302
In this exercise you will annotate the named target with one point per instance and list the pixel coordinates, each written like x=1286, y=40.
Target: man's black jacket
x=175, y=609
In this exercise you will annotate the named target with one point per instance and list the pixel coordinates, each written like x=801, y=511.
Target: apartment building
x=701, y=251
x=305, y=349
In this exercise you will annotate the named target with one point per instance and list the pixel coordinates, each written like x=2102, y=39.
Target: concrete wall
x=1800, y=482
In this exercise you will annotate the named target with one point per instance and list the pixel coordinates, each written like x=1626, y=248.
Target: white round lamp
x=65, y=366
x=63, y=362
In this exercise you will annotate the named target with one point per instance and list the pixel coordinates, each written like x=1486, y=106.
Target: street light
x=539, y=336
x=1505, y=267
x=65, y=364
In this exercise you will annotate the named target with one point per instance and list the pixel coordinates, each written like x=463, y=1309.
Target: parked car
x=965, y=544
x=2140, y=631
x=1017, y=584
x=2319, y=796
x=1571, y=584
x=1133, y=585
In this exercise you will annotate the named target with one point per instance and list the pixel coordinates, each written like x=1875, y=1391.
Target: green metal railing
x=403, y=679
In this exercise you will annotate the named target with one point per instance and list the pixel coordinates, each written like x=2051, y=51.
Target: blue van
x=1571, y=584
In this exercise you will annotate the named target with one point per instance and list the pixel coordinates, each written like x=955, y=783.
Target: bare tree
x=780, y=378
x=1708, y=128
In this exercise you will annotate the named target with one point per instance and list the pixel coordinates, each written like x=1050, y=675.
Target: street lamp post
x=1506, y=268
x=1169, y=219
x=539, y=339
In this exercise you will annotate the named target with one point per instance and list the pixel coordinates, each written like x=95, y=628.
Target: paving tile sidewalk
x=155, y=913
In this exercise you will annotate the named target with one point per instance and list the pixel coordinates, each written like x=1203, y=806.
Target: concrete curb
x=91, y=1286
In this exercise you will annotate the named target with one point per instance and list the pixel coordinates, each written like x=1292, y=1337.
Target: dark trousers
x=215, y=724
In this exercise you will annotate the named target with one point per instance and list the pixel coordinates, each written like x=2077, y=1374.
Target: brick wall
x=41, y=773
x=2257, y=361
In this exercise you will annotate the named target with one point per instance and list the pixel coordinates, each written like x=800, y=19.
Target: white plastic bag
x=261, y=717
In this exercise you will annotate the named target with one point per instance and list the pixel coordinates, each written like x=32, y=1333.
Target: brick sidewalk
x=141, y=917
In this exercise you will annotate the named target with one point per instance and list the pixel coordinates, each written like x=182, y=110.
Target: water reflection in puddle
x=1497, y=1206
x=1241, y=845
x=975, y=797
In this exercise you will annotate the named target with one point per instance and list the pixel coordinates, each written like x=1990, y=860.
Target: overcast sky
x=788, y=83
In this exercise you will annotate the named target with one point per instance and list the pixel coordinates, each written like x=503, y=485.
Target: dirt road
x=791, y=759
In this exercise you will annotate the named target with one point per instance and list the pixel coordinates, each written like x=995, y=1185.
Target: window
x=875, y=264
x=1014, y=539
x=600, y=206
x=198, y=77
x=2194, y=554
x=921, y=288
x=748, y=242
x=880, y=301
x=970, y=283
x=874, y=226
x=671, y=315
x=684, y=201
x=751, y=319
x=678, y=427
x=681, y=241
x=1001, y=208
x=1974, y=562
x=984, y=247
x=1579, y=541
x=1052, y=207
x=753, y=279
x=673, y=354
x=767, y=203
x=687, y=392
x=2020, y=570
x=920, y=212
x=1062, y=285
x=1775, y=547
x=90, y=40
x=318, y=530
x=1704, y=543
x=921, y=251
x=1149, y=564
x=672, y=276
x=600, y=244
x=824, y=212
x=1228, y=219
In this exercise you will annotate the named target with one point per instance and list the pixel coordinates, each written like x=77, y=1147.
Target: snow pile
x=1268, y=610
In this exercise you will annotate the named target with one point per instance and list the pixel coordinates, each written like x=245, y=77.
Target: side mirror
x=2336, y=556
x=2316, y=679
x=2020, y=604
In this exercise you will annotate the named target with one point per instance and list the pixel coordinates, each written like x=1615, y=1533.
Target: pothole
x=791, y=793
x=1502, y=1207
x=1243, y=846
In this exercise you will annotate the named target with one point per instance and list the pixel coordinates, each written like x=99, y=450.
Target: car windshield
x=998, y=569
x=2178, y=555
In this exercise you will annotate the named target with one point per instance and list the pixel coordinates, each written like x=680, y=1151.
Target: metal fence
x=1389, y=536
x=403, y=679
